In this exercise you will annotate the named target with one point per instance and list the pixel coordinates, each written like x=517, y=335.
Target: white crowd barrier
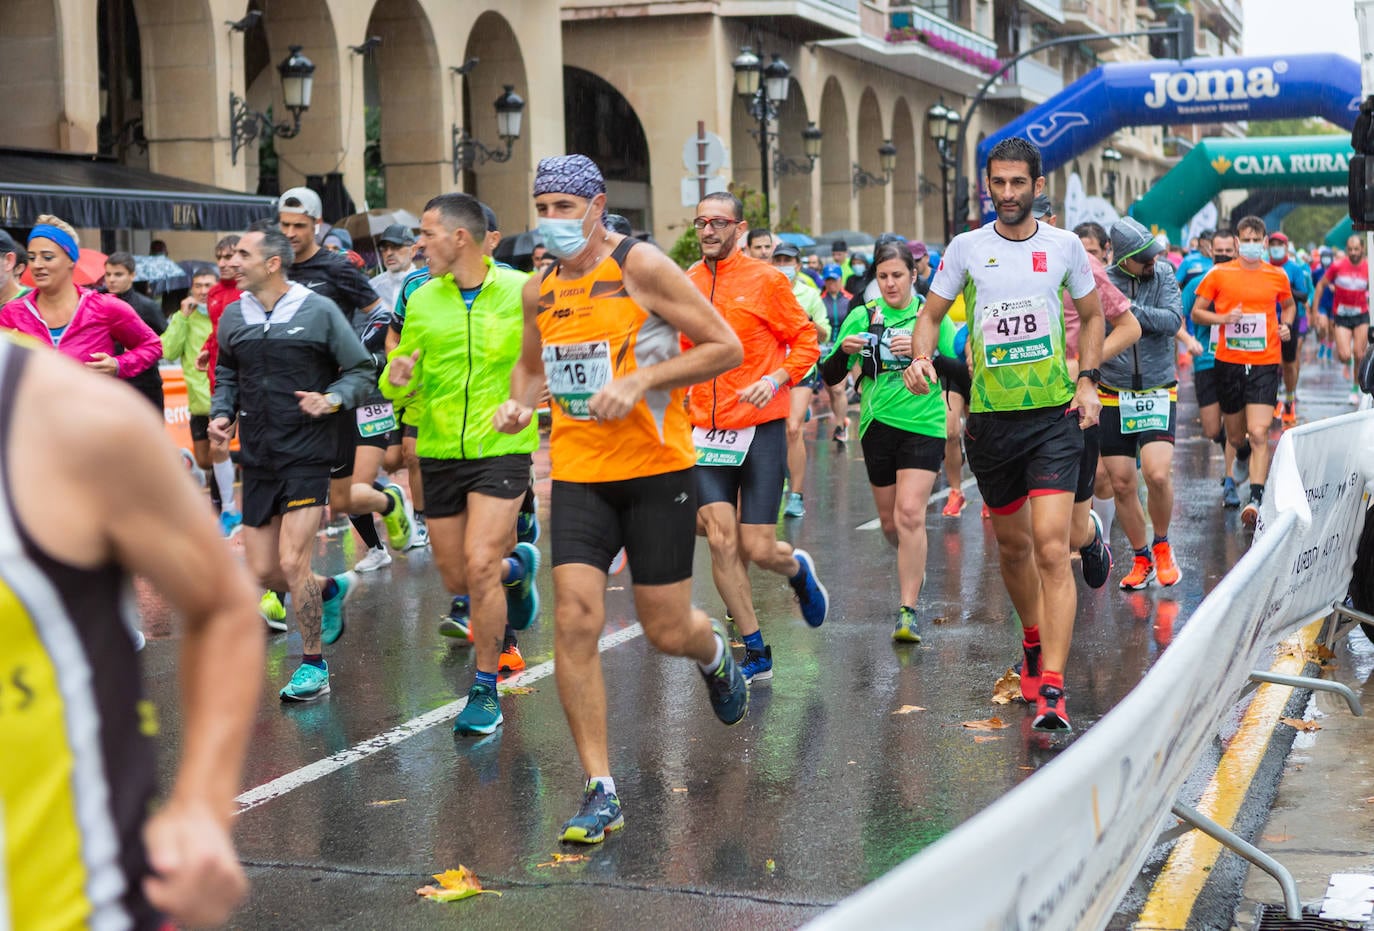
x=1096, y=810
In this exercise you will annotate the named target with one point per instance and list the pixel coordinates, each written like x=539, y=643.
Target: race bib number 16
x=1016, y=332
x=575, y=372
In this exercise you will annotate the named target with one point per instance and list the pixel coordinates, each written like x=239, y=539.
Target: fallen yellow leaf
x=990, y=724
x=560, y=858
x=1298, y=724
x=515, y=689
x=382, y=803
x=984, y=738
x=679, y=788
x=908, y=709
x=939, y=619
x=1007, y=689
x=769, y=865
x=1277, y=838
x=454, y=885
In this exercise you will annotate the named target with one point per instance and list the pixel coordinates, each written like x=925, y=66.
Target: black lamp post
x=764, y=89
x=245, y=124
x=1112, y=158
x=468, y=151
x=887, y=160
x=942, y=125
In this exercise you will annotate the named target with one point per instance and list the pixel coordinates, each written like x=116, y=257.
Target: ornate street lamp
x=245, y=124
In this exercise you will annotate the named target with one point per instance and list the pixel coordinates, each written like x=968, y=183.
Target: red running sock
x=1030, y=636
x=1055, y=679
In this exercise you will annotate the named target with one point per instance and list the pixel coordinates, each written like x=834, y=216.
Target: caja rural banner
x=1100, y=805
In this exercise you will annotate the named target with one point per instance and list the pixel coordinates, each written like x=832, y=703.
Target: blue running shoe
x=727, y=686
x=1230, y=498
x=457, y=623
x=600, y=812
x=482, y=713
x=814, y=599
x=757, y=665
x=1096, y=556
x=522, y=598
x=795, y=506
x=230, y=523
x=527, y=527
x=307, y=683
x=332, y=621
x=906, y=630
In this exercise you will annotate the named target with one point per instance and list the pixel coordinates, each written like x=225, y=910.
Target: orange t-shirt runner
x=593, y=332
x=1255, y=292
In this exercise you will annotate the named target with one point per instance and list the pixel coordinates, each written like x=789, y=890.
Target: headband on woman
x=61, y=237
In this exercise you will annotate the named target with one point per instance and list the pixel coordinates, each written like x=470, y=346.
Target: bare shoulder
x=76, y=414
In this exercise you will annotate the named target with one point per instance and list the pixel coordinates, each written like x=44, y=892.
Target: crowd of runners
x=1045, y=359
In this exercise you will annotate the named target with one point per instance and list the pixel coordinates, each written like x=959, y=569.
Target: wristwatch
x=334, y=401
x=1094, y=374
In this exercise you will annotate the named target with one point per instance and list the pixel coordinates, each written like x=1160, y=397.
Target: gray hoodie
x=1158, y=306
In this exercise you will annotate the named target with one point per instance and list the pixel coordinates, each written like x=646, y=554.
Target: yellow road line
x=1176, y=890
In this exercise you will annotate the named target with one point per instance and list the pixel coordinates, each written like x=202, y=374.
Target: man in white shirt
x=396, y=247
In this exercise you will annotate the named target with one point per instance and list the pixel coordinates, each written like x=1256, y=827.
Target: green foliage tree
x=1309, y=224
x=374, y=171
x=1307, y=126
x=686, y=250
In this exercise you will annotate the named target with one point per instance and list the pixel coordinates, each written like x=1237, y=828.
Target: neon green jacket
x=182, y=342
x=466, y=358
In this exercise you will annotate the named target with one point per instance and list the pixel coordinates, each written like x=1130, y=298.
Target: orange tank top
x=592, y=332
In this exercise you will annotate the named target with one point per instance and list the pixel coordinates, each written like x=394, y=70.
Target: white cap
x=301, y=200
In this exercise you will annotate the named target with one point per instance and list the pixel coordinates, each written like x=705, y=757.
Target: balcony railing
x=915, y=24
x=1037, y=76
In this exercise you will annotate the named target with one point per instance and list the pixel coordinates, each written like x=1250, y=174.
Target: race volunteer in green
x=461, y=340
x=1024, y=432
x=903, y=434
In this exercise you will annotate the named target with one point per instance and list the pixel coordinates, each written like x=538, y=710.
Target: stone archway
x=906, y=181
x=836, y=178
x=602, y=125
x=873, y=198
x=180, y=108
x=31, y=73
x=414, y=163
x=503, y=186
x=793, y=187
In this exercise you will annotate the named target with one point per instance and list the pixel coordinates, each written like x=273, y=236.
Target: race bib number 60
x=1016, y=332
x=575, y=372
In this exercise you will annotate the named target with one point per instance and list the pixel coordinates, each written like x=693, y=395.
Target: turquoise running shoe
x=482, y=713
x=522, y=597
x=307, y=683
x=332, y=622
x=600, y=813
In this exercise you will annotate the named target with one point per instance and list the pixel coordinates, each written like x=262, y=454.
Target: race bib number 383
x=1016, y=332
x=376, y=419
x=575, y=372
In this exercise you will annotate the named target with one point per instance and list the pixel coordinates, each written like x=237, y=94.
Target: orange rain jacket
x=757, y=301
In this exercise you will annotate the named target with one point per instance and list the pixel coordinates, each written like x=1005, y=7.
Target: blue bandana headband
x=569, y=174
x=61, y=237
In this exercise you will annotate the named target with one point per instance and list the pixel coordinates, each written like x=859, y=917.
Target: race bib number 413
x=720, y=447
x=1016, y=332
x=575, y=372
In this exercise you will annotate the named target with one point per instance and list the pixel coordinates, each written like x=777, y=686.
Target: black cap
x=618, y=224
x=786, y=248
x=492, y=225
x=839, y=245
x=7, y=245
x=397, y=234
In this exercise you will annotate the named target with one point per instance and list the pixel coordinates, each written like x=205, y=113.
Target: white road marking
x=935, y=499
x=280, y=786
x=1350, y=897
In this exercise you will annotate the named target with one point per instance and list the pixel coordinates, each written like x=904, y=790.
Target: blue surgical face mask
x=1253, y=251
x=1326, y=261
x=564, y=238
x=790, y=271
x=859, y=268
x=1278, y=253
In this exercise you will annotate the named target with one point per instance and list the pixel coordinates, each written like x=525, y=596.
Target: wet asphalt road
x=820, y=790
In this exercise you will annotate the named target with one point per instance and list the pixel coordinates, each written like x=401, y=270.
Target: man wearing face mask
x=740, y=426
x=786, y=259
x=858, y=277
x=1349, y=280
x=1139, y=393
x=1323, y=303
x=1239, y=299
x=1300, y=280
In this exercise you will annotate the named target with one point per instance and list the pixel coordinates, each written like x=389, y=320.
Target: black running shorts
x=1289, y=347
x=755, y=486
x=1087, y=464
x=1240, y=385
x=448, y=482
x=267, y=495
x=654, y=518
x=1021, y=453
x=1114, y=441
x=1351, y=321
x=1205, y=386
x=888, y=450
x=200, y=427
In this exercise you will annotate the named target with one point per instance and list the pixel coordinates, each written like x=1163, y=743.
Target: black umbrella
x=517, y=250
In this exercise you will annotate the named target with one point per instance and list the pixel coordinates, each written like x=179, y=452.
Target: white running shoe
x=374, y=560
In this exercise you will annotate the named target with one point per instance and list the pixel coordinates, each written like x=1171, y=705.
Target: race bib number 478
x=1016, y=332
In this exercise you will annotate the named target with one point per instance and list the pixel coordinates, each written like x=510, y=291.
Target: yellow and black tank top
x=592, y=332
x=76, y=760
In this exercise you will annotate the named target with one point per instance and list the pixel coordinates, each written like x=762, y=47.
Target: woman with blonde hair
x=77, y=321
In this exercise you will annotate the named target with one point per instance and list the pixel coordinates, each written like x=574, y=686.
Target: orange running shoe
x=986, y=513
x=1166, y=570
x=1141, y=574
x=955, y=505
x=1278, y=410
x=1290, y=413
x=511, y=660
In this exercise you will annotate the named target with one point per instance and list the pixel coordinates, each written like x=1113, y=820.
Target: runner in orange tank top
x=601, y=329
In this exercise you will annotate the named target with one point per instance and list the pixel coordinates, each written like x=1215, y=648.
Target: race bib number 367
x=1251, y=334
x=575, y=372
x=1016, y=332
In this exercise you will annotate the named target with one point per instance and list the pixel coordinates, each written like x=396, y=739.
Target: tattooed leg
x=297, y=543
